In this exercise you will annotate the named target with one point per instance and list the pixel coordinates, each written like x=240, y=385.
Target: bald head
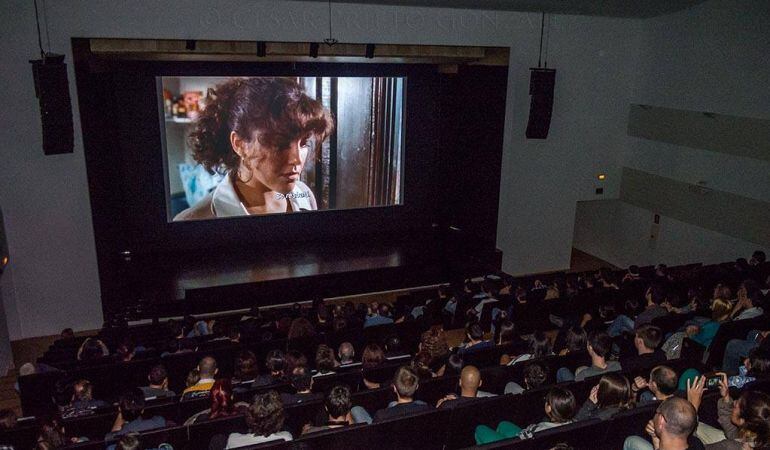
x=470, y=380
x=679, y=417
x=207, y=367
x=346, y=352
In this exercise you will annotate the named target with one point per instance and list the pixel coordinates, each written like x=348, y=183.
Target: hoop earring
x=238, y=174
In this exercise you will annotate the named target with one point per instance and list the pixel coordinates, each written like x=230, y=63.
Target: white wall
x=708, y=58
x=619, y=233
x=54, y=282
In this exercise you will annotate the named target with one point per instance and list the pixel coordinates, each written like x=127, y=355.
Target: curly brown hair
x=265, y=415
x=434, y=342
x=278, y=108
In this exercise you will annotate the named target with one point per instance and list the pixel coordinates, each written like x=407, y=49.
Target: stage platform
x=271, y=276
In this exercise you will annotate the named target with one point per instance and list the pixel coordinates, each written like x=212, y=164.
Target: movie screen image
x=250, y=146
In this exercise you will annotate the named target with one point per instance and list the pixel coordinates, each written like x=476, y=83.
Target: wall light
x=601, y=176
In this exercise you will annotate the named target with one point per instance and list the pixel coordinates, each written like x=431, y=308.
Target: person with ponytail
x=259, y=132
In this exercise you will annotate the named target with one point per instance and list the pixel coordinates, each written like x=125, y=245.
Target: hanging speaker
x=541, y=85
x=53, y=93
x=4, y=257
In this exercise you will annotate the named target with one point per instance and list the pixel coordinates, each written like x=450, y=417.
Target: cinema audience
x=560, y=408
x=325, y=363
x=264, y=418
x=470, y=382
x=372, y=358
x=670, y=428
x=346, y=353
x=158, y=383
x=611, y=396
x=661, y=384
x=302, y=383
x=222, y=403
x=337, y=408
x=534, y=377
x=129, y=419
x=246, y=369
x=207, y=370
x=647, y=338
x=599, y=346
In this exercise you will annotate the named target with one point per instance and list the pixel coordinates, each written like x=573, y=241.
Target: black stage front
x=205, y=284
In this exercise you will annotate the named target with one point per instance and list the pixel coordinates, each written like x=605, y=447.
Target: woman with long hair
x=259, y=131
x=612, y=395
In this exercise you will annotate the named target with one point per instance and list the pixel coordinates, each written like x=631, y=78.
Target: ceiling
x=611, y=8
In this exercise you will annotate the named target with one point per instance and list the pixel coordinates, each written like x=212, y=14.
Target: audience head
x=294, y=358
x=539, y=345
x=599, y=344
x=393, y=344
x=221, y=395
x=757, y=258
x=193, y=377
x=301, y=327
x=534, y=375
x=384, y=310
x=129, y=441
x=507, y=332
x=7, y=419
x=721, y=309
x=131, y=404
x=434, y=342
x=67, y=333
x=91, y=349
x=560, y=405
x=158, y=376
x=454, y=364
x=176, y=329
x=51, y=434
x=751, y=414
x=614, y=391
x=373, y=356
x=324, y=359
x=576, y=339
x=265, y=416
x=648, y=337
x=663, y=382
x=208, y=367
x=421, y=365
x=675, y=418
x=82, y=390
x=246, y=366
x=337, y=402
x=758, y=362
x=722, y=291
x=470, y=380
x=346, y=352
x=474, y=332
x=301, y=379
x=275, y=362
x=406, y=382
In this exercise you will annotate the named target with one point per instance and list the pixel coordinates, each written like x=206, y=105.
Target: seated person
x=276, y=364
x=756, y=366
x=158, y=387
x=302, y=383
x=647, y=338
x=337, y=407
x=82, y=399
x=264, y=417
x=671, y=428
x=661, y=385
x=534, y=377
x=379, y=315
x=475, y=340
x=560, y=407
x=207, y=369
x=539, y=347
x=7, y=419
x=611, y=396
x=325, y=363
x=129, y=441
x=246, y=370
x=599, y=346
x=738, y=349
x=470, y=381
x=405, y=384
x=222, y=403
x=372, y=358
x=129, y=419
x=346, y=354
x=454, y=365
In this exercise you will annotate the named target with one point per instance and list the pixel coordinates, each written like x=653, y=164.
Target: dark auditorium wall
x=53, y=282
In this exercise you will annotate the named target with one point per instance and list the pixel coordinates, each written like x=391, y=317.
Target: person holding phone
x=260, y=132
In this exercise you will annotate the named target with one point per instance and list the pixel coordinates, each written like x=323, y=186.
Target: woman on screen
x=260, y=132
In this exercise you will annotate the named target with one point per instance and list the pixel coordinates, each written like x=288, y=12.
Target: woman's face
x=277, y=169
